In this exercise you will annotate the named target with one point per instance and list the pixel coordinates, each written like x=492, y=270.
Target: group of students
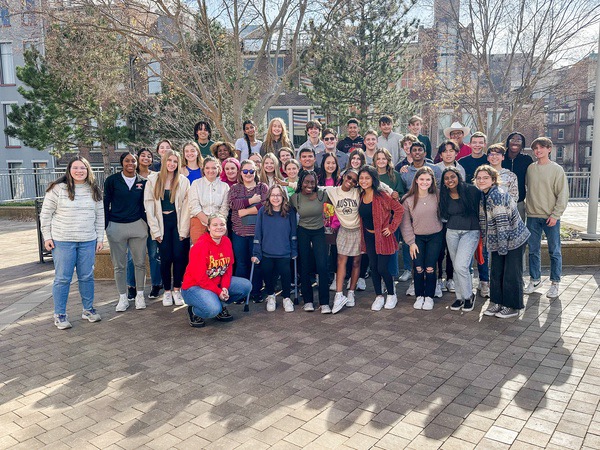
x=217, y=229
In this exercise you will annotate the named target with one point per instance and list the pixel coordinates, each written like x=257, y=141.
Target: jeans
x=272, y=267
x=207, y=304
x=174, y=253
x=461, y=245
x=67, y=257
x=122, y=236
x=242, y=248
x=536, y=225
x=153, y=259
x=313, y=242
x=506, y=281
x=379, y=266
x=429, y=249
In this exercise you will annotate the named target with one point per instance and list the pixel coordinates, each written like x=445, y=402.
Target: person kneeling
x=208, y=282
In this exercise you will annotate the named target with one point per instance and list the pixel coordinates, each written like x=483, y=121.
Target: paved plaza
x=358, y=379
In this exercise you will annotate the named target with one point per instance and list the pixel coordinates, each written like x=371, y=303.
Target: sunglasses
x=248, y=171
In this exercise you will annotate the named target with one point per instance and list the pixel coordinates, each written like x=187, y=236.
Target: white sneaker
x=62, y=322
x=428, y=304
x=325, y=309
x=532, y=286
x=140, y=302
x=391, y=301
x=450, y=287
x=418, y=304
x=405, y=276
x=441, y=285
x=438, y=289
x=178, y=298
x=493, y=309
x=411, y=290
x=338, y=302
x=332, y=286
x=271, y=303
x=308, y=307
x=167, y=299
x=288, y=305
x=351, y=301
x=378, y=303
x=361, y=285
x=484, y=289
x=123, y=303
x=553, y=291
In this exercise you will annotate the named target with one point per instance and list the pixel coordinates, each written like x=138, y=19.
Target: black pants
x=444, y=252
x=429, y=250
x=506, y=278
x=379, y=265
x=273, y=267
x=313, y=242
x=174, y=253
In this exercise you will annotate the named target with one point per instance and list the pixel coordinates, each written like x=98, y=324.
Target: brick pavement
x=359, y=379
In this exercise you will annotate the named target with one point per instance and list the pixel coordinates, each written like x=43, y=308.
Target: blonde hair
x=199, y=159
x=161, y=180
x=284, y=139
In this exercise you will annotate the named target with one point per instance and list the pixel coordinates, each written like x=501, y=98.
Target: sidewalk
x=358, y=379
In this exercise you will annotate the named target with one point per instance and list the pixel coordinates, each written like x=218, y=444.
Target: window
x=28, y=14
x=589, y=133
x=4, y=15
x=154, y=81
x=590, y=111
x=40, y=171
x=588, y=151
x=560, y=151
x=7, y=66
x=17, y=183
x=561, y=117
x=561, y=133
x=10, y=141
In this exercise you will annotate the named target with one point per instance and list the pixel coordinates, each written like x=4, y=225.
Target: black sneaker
x=257, y=299
x=195, y=321
x=240, y=302
x=131, y=292
x=224, y=316
x=155, y=291
x=469, y=304
x=457, y=305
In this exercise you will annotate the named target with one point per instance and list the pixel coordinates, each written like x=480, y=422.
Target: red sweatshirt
x=210, y=265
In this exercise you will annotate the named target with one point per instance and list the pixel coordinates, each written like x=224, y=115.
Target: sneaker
x=140, y=302
x=450, y=287
x=553, y=291
x=457, y=305
x=361, y=285
x=469, y=304
x=155, y=291
x=507, y=313
x=391, y=301
x=224, y=315
x=271, y=303
x=405, y=276
x=532, y=286
x=308, y=307
x=441, y=285
x=257, y=298
x=411, y=290
x=493, y=309
x=123, y=304
x=288, y=305
x=338, y=302
x=91, y=315
x=484, y=289
x=351, y=301
x=178, y=298
x=325, y=309
x=438, y=289
x=378, y=303
x=131, y=292
x=418, y=304
x=195, y=321
x=62, y=322
x=332, y=286
x=428, y=304
x=167, y=298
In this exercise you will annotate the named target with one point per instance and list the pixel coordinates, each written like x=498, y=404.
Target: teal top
x=396, y=186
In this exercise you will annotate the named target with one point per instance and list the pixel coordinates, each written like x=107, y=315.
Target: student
x=547, y=197
x=448, y=151
x=330, y=141
x=390, y=139
x=208, y=282
x=356, y=159
x=72, y=224
x=222, y=150
x=168, y=215
x=276, y=220
x=208, y=195
x=508, y=180
x=125, y=228
x=161, y=148
x=370, y=142
x=328, y=175
x=415, y=126
x=145, y=158
x=313, y=131
x=329, y=170
x=505, y=236
x=377, y=239
x=422, y=231
x=417, y=153
x=353, y=139
x=307, y=159
x=256, y=158
x=517, y=162
x=292, y=169
x=459, y=207
x=202, y=135
x=476, y=158
x=406, y=142
x=192, y=162
x=269, y=170
x=276, y=138
x=247, y=145
x=230, y=172
x=284, y=155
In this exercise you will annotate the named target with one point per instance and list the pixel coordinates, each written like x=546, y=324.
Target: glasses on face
x=516, y=140
x=352, y=180
x=329, y=139
x=276, y=196
x=493, y=153
x=248, y=171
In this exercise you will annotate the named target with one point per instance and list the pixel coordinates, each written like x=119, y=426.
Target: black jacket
x=122, y=205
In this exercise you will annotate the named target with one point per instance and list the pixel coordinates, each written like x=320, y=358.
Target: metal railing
x=579, y=185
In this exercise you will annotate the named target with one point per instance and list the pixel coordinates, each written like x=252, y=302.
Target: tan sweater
x=423, y=220
x=547, y=190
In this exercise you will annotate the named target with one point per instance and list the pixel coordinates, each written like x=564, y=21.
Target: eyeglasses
x=492, y=153
x=248, y=171
x=275, y=195
x=329, y=139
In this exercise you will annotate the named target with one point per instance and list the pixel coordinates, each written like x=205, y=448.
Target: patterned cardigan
x=383, y=205
x=500, y=222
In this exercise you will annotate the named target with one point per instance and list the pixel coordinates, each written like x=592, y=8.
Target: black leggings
x=379, y=266
x=444, y=252
x=271, y=267
x=174, y=253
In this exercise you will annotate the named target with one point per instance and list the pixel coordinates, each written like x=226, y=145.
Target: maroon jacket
x=383, y=205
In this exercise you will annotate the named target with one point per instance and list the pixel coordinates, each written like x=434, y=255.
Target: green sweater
x=397, y=186
x=547, y=190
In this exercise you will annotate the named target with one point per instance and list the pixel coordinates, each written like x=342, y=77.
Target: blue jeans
x=461, y=245
x=242, y=248
x=207, y=304
x=536, y=225
x=154, y=260
x=67, y=257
